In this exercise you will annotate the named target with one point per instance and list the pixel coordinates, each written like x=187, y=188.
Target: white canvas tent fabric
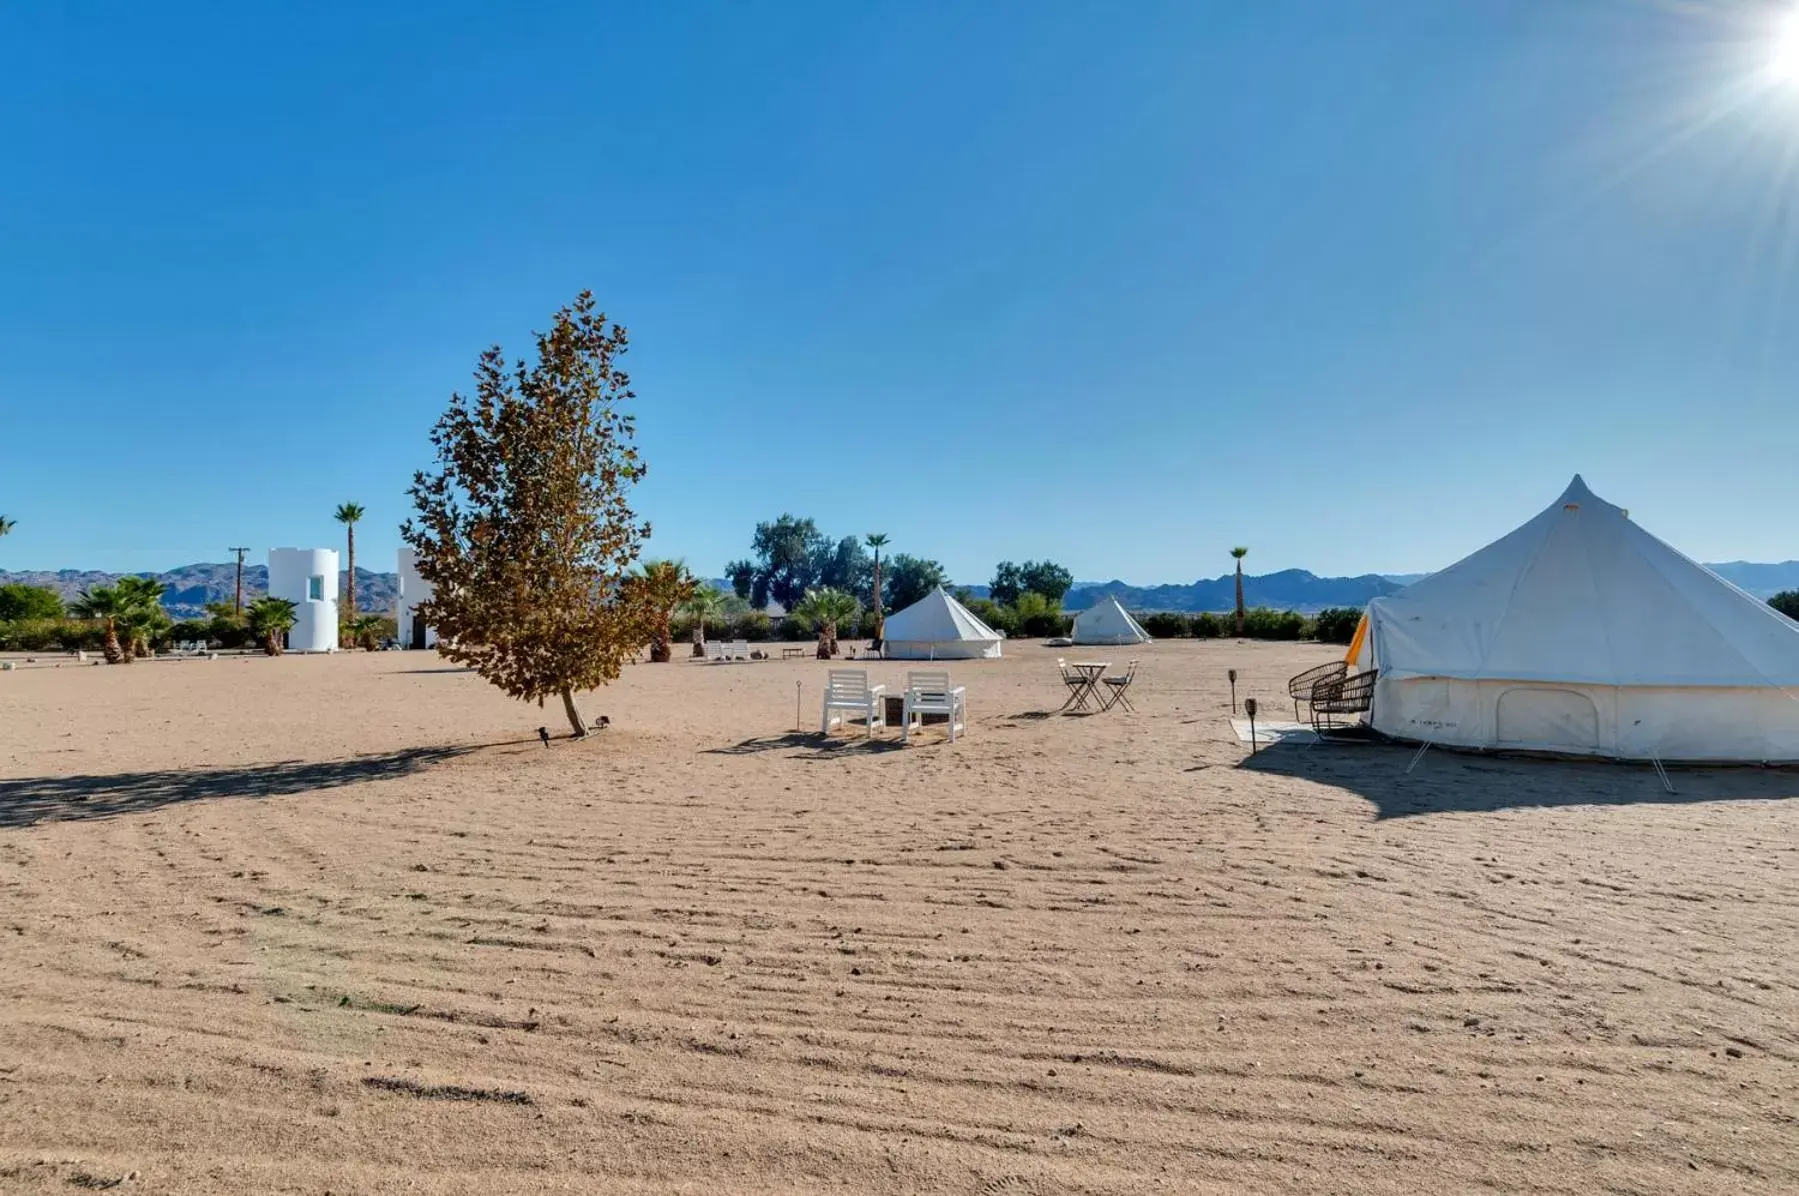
x=1581, y=633
x=1107, y=622
x=937, y=627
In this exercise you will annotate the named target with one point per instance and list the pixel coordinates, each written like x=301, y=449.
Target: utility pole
x=238, y=602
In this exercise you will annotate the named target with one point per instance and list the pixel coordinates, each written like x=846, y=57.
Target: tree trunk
x=661, y=651
x=880, y=613
x=574, y=714
x=271, y=643
x=352, y=579
x=699, y=637
x=114, y=654
x=1239, y=598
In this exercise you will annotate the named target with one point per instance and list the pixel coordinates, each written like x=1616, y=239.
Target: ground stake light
x=1249, y=708
x=1232, y=674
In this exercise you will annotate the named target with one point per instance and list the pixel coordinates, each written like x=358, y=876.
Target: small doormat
x=1274, y=732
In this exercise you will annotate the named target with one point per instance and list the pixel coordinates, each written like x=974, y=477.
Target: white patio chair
x=715, y=651
x=847, y=692
x=740, y=649
x=928, y=691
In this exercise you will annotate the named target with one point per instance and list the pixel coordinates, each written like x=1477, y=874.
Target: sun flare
x=1783, y=63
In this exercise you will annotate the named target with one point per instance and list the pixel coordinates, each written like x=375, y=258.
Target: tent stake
x=1417, y=756
x=1662, y=772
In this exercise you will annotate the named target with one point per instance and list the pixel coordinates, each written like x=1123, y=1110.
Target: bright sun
x=1784, y=64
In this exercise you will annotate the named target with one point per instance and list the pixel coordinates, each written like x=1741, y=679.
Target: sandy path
x=343, y=925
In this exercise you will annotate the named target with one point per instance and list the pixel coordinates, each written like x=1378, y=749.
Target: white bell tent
x=1107, y=622
x=937, y=627
x=1581, y=633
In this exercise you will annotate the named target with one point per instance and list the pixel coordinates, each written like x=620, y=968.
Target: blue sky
x=1358, y=285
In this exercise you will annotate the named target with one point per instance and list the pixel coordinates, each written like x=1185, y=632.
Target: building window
x=315, y=588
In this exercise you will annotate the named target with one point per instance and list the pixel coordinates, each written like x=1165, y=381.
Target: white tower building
x=413, y=590
x=307, y=577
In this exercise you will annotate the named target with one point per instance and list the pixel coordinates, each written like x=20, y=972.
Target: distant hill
x=191, y=587
x=1764, y=581
x=1290, y=589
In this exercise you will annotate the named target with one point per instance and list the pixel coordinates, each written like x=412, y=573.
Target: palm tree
x=145, y=618
x=705, y=601
x=878, y=541
x=662, y=586
x=348, y=514
x=823, y=609
x=106, y=603
x=362, y=631
x=269, y=619
x=1238, y=554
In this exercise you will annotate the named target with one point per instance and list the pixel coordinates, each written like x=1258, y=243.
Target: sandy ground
x=343, y=925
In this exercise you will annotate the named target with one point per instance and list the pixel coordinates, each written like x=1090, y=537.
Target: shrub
x=1166, y=625
x=52, y=635
x=19, y=601
x=755, y=626
x=1208, y=626
x=1787, y=603
x=184, y=632
x=1263, y=623
x=1040, y=617
x=1336, y=624
x=790, y=628
x=1000, y=618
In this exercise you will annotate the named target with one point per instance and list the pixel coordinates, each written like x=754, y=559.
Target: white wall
x=291, y=571
x=413, y=590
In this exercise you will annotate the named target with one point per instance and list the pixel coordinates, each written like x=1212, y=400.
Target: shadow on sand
x=30, y=800
x=809, y=745
x=1454, y=782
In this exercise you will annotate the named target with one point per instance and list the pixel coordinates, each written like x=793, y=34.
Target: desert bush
x=19, y=601
x=183, y=632
x=1264, y=623
x=1001, y=618
x=1166, y=625
x=1787, y=603
x=52, y=635
x=1040, y=617
x=1336, y=624
x=1208, y=626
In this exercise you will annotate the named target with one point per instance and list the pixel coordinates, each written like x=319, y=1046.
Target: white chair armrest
x=875, y=691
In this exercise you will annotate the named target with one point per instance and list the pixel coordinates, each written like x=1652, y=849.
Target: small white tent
x=1107, y=622
x=1581, y=633
x=937, y=627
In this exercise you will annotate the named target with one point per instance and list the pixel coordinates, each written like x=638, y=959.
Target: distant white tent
x=1107, y=622
x=1582, y=633
x=937, y=627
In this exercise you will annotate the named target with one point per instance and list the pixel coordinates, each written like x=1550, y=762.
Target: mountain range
x=191, y=587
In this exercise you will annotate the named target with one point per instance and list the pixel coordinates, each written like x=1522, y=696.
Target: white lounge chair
x=740, y=649
x=715, y=651
x=928, y=691
x=847, y=692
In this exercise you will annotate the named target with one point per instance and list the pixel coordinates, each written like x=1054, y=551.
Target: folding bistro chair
x=1077, y=686
x=1116, y=687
